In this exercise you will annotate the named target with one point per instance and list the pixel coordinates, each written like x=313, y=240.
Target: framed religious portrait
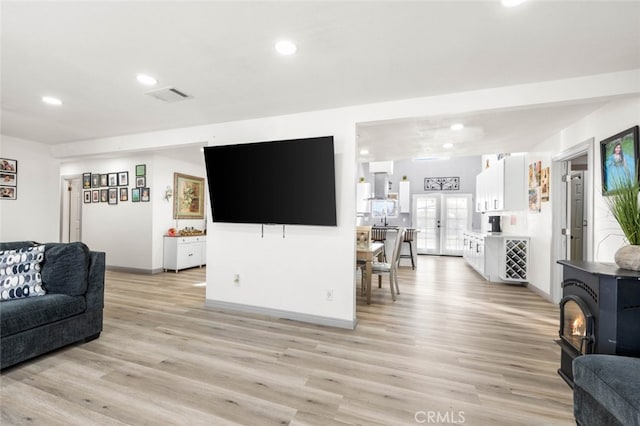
x=619, y=159
x=188, y=197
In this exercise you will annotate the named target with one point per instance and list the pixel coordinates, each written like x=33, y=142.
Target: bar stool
x=379, y=235
x=409, y=235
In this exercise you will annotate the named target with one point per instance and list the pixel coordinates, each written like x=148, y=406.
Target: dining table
x=367, y=254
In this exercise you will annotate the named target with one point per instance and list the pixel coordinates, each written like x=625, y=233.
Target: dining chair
x=391, y=268
x=379, y=235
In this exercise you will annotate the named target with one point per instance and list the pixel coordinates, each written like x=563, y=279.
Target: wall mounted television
x=288, y=182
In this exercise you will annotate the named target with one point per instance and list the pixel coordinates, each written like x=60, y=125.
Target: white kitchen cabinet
x=404, y=196
x=501, y=187
x=498, y=258
x=184, y=252
x=363, y=195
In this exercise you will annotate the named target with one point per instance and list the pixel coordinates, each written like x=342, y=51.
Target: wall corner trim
x=278, y=313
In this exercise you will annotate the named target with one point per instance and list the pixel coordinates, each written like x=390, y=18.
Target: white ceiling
x=349, y=53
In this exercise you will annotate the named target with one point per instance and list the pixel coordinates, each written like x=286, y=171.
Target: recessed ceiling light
x=51, y=100
x=147, y=80
x=286, y=47
x=457, y=126
x=447, y=145
x=512, y=3
x=364, y=152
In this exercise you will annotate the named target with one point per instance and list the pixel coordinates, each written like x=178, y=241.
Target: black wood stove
x=599, y=312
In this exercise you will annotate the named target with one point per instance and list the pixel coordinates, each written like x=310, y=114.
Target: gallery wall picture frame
x=113, y=179
x=86, y=180
x=104, y=195
x=141, y=170
x=95, y=196
x=135, y=195
x=124, y=194
x=619, y=156
x=140, y=181
x=8, y=192
x=188, y=197
x=87, y=197
x=95, y=180
x=145, y=194
x=113, y=195
x=8, y=179
x=8, y=165
x=123, y=178
x=104, y=180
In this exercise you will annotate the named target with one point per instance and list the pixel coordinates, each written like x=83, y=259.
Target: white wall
x=35, y=215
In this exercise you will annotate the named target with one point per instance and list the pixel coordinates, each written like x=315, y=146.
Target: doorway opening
x=71, y=209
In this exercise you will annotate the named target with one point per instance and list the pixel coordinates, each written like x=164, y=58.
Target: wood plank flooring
x=453, y=349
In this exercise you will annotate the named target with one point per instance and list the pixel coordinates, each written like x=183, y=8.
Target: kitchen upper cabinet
x=404, y=196
x=363, y=195
x=502, y=186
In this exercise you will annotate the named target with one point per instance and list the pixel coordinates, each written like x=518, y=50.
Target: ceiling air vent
x=169, y=94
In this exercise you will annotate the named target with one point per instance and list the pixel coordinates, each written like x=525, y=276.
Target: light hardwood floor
x=453, y=349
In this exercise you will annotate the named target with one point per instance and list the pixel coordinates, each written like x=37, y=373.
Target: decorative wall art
x=8, y=179
x=188, y=197
x=95, y=180
x=86, y=180
x=141, y=170
x=113, y=179
x=135, y=195
x=144, y=194
x=619, y=156
x=544, y=187
x=95, y=196
x=123, y=179
x=535, y=174
x=140, y=181
x=104, y=195
x=534, y=200
x=87, y=197
x=442, y=184
x=124, y=194
x=113, y=195
x=104, y=180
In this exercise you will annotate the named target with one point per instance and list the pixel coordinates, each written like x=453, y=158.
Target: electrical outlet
x=236, y=279
x=329, y=294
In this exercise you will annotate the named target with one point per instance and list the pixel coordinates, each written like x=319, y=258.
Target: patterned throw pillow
x=20, y=273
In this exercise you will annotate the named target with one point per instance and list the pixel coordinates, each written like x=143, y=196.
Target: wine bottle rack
x=516, y=259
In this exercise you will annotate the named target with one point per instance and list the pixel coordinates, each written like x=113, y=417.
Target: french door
x=440, y=220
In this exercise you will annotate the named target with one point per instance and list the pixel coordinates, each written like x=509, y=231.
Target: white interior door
x=71, y=225
x=577, y=215
x=440, y=220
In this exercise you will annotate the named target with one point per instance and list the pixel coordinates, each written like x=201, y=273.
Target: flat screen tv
x=278, y=182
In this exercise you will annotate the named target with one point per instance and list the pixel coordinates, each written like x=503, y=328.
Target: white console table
x=184, y=252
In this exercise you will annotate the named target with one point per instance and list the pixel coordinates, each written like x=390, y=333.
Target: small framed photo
x=140, y=181
x=619, y=154
x=113, y=179
x=87, y=197
x=9, y=179
x=95, y=180
x=8, y=192
x=113, y=195
x=86, y=180
x=141, y=170
x=104, y=180
x=135, y=195
x=124, y=194
x=95, y=196
x=104, y=195
x=123, y=179
x=8, y=165
x=144, y=194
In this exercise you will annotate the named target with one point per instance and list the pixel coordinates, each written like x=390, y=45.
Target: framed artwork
x=544, y=187
x=87, y=197
x=8, y=192
x=141, y=170
x=95, y=196
x=123, y=179
x=8, y=165
x=144, y=194
x=8, y=179
x=86, y=180
x=104, y=180
x=535, y=172
x=113, y=179
x=124, y=194
x=104, y=195
x=188, y=197
x=95, y=180
x=534, y=199
x=140, y=181
x=619, y=157
x=135, y=195
x=113, y=195
x=441, y=183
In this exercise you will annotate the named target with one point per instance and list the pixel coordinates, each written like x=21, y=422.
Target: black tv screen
x=277, y=182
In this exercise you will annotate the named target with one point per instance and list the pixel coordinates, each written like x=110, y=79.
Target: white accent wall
x=35, y=214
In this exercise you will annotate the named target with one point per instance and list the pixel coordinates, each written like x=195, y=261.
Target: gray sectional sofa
x=606, y=390
x=70, y=312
